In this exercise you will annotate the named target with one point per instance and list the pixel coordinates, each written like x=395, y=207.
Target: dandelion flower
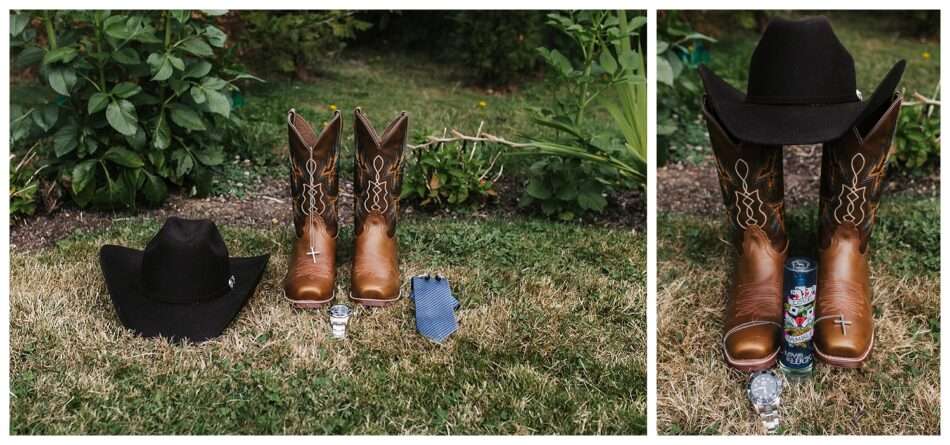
x=482, y=104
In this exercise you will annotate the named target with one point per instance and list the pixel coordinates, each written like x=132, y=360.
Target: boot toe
x=375, y=292
x=310, y=293
x=846, y=347
x=753, y=343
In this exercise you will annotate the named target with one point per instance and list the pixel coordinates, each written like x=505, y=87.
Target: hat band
x=213, y=295
x=802, y=100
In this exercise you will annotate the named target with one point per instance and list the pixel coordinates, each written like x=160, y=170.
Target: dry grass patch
x=898, y=390
x=533, y=354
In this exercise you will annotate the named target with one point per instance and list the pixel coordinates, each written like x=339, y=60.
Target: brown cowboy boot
x=311, y=273
x=750, y=177
x=376, y=185
x=852, y=170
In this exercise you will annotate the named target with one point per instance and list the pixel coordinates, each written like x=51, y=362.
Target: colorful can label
x=801, y=275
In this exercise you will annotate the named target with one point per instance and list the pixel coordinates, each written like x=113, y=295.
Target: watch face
x=764, y=388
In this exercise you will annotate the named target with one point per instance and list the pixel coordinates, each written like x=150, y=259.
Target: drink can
x=800, y=284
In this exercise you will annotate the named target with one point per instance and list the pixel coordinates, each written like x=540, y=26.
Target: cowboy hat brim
x=792, y=124
x=121, y=267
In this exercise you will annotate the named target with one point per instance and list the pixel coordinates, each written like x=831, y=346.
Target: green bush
x=293, y=42
x=578, y=170
x=129, y=102
x=499, y=46
x=451, y=174
x=917, y=140
x=680, y=50
x=494, y=48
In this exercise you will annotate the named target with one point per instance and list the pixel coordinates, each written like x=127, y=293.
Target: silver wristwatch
x=765, y=389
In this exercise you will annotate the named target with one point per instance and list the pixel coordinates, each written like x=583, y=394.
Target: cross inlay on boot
x=843, y=323
x=313, y=253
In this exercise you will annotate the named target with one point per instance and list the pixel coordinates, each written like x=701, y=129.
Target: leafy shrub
x=917, y=140
x=129, y=101
x=451, y=174
x=495, y=48
x=294, y=42
x=499, y=46
x=680, y=50
x=580, y=169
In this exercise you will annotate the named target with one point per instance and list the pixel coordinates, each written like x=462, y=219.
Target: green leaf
x=62, y=54
x=176, y=62
x=62, y=79
x=185, y=162
x=218, y=103
x=181, y=15
x=216, y=37
x=97, y=102
x=179, y=86
x=559, y=61
x=210, y=157
x=65, y=140
x=115, y=27
x=664, y=71
x=187, y=118
x=162, y=137
x=607, y=62
x=46, y=117
x=198, y=94
x=127, y=56
x=197, y=70
x=121, y=116
x=124, y=157
x=84, y=175
x=126, y=90
x=137, y=141
x=29, y=56
x=536, y=189
x=592, y=201
x=213, y=83
x=154, y=189
x=18, y=23
x=197, y=46
x=161, y=67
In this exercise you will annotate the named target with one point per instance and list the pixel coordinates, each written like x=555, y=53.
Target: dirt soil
x=694, y=188
x=267, y=204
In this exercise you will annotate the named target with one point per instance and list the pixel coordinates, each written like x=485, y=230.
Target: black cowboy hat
x=183, y=285
x=801, y=89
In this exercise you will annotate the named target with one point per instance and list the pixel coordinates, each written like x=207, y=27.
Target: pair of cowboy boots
x=311, y=274
x=750, y=177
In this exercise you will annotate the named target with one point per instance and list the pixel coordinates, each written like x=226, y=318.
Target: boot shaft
x=752, y=185
x=852, y=175
x=377, y=178
x=314, y=183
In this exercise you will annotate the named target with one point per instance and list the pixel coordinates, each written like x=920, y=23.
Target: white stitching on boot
x=854, y=194
x=748, y=199
x=377, y=190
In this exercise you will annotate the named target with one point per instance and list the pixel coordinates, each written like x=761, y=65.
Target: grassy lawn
x=552, y=340
x=384, y=85
x=898, y=390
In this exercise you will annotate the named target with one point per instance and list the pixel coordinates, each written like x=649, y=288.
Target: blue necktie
x=435, y=307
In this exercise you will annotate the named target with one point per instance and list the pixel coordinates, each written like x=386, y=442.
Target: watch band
x=770, y=417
